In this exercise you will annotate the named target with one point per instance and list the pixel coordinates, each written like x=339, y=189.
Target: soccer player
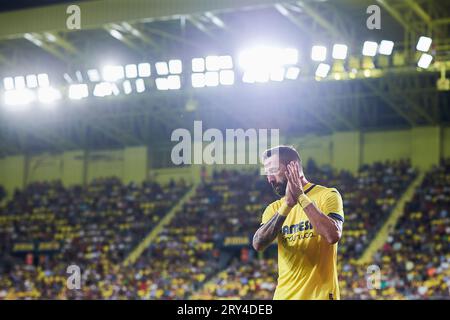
x=307, y=222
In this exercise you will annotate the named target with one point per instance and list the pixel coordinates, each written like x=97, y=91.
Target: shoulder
x=275, y=205
x=324, y=193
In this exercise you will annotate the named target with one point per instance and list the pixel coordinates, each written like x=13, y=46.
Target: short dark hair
x=286, y=154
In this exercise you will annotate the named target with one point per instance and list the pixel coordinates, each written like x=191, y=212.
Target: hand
x=294, y=182
x=290, y=198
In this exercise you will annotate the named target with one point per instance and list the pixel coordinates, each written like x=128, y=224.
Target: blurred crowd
x=93, y=228
x=97, y=227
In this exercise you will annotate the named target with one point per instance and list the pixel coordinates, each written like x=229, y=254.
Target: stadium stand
x=93, y=227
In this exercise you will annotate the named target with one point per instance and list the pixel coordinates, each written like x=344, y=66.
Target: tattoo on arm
x=268, y=232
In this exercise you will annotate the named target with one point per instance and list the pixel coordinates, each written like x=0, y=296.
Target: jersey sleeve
x=332, y=205
x=268, y=213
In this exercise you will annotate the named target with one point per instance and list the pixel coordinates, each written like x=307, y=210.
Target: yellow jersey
x=307, y=263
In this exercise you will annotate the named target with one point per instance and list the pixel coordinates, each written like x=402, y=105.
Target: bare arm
x=265, y=235
x=327, y=227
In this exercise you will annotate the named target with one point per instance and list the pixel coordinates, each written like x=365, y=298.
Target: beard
x=279, y=188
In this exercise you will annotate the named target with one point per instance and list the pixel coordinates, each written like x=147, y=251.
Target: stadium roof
x=34, y=38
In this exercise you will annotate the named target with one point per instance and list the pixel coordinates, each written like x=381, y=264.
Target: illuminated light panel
x=292, y=73
x=198, y=80
x=131, y=71
x=127, y=87
x=424, y=44
x=318, y=53
x=211, y=79
x=198, y=65
x=386, y=47
x=145, y=69
x=78, y=91
x=43, y=80
x=140, y=85
x=174, y=82
x=226, y=77
x=113, y=73
x=175, y=66
x=162, y=69
x=93, y=75
x=19, y=97
x=102, y=89
x=19, y=82
x=32, y=81
x=425, y=61
x=48, y=95
x=370, y=48
x=162, y=84
x=339, y=51
x=322, y=70
x=8, y=83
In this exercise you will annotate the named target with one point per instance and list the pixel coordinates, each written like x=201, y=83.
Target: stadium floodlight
x=262, y=64
x=116, y=34
x=211, y=79
x=198, y=65
x=114, y=89
x=277, y=74
x=78, y=91
x=66, y=77
x=424, y=44
x=79, y=76
x=175, y=66
x=8, y=83
x=162, y=69
x=425, y=61
x=370, y=48
x=32, y=81
x=102, y=89
x=93, y=75
x=322, y=70
x=289, y=56
x=19, y=82
x=162, y=84
x=292, y=73
x=339, y=51
x=212, y=63
x=226, y=77
x=386, y=47
x=127, y=87
x=43, y=80
x=174, y=82
x=318, y=53
x=19, y=97
x=144, y=69
x=113, y=73
x=48, y=95
x=225, y=62
x=140, y=85
x=198, y=80
x=248, y=77
x=131, y=71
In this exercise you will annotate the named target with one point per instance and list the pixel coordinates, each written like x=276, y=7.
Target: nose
x=271, y=179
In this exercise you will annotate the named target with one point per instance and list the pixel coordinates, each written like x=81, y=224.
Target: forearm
x=265, y=235
x=324, y=225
